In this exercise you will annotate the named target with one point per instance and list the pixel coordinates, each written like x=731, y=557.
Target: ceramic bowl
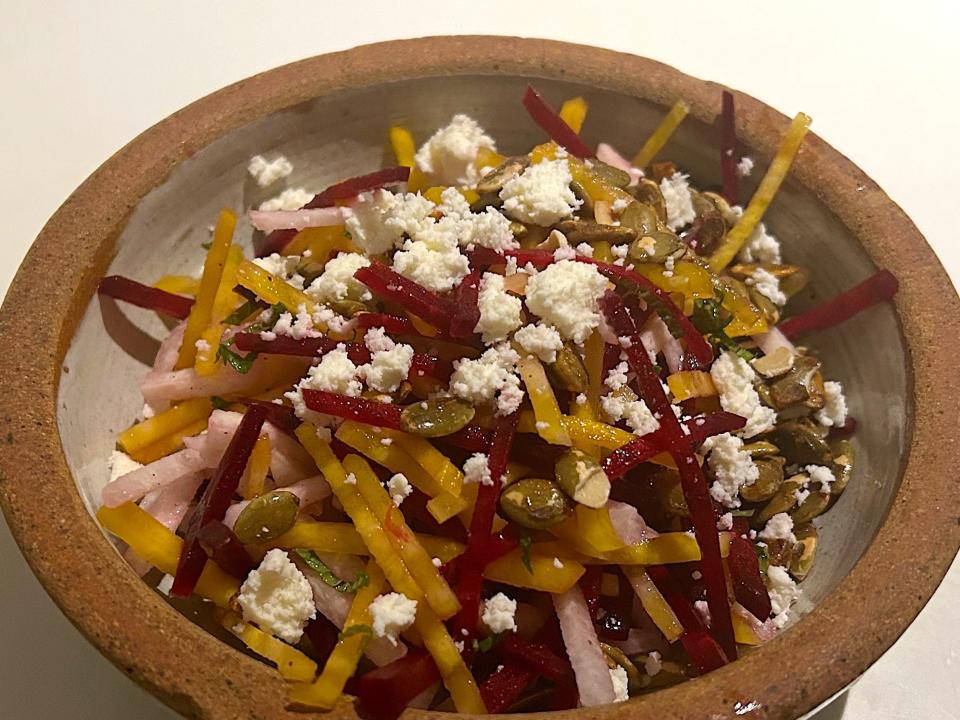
x=68, y=381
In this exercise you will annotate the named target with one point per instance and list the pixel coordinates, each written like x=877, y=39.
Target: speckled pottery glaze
x=68, y=382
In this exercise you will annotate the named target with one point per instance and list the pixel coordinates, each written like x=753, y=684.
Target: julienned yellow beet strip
x=404, y=148
x=254, y=479
x=548, y=423
x=271, y=288
x=661, y=134
x=168, y=444
x=573, y=112
x=341, y=537
x=178, y=284
x=418, y=561
x=321, y=242
x=456, y=676
x=772, y=179
x=291, y=663
x=434, y=462
x=546, y=576
x=342, y=662
x=224, y=303
x=202, y=310
x=154, y=544
x=152, y=430
x=653, y=602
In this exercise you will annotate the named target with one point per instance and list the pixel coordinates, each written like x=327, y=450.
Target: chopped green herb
x=486, y=643
x=275, y=312
x=329, y=577
x=525, y=543
x=207, y=245
x=355, y=630
x=708, y=319
x=242, y=312
x=763, y=558
x=240, y=363
x=742, y=513
x=347, y=235
x=219, y=403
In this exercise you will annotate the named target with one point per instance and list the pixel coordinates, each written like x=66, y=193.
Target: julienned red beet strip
x=151, y=298
x=697, y=347
x=226, y=549
x=216, y=499
x=748, y=586
x=358, y=409
x=728, y=149
x=504, y=686
x=354, y=186
x=312, y=347
x=477, y=553
x=273, y=242
x=589, y=584
x=466, y=312
x=703, y=650
x=280, y=416
x=625, y=458
x=384, y=692
x=537, y=655
x=409, y=295
x=400, y=326
x=875, y=289
x=553, y=124
x=695, y=489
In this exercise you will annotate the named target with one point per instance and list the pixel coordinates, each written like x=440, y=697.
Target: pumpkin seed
x=640, y=217
x=615, y=658
x=801, y=444
x=804, y=551
x=797, y=385
x=647, y=191
x=711, y=226
x=767, y=483
x=816, y=503
x=494, y=180
x=777, y=363
x=267, y=517
x=843, y=466
x=535, y=503
x=783, y=500
x=568, y=372
x=657, y=246
x=436, y=417
x=760, y=449
x=348, y=308
x=578, y=231
x=608, y=174
x=582, y=478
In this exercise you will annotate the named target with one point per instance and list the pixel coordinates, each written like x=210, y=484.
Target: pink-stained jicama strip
x=169, y=504
x=628, y=523
x=308, y=491
x=608, y=154
x=298, y=219
x=657, y=338
x=764, y=630
x=134, y=485
x=335, y=605
x=165, y=387
x=583, y=648
x=641, y=640
x=289, y=462
x=773, y=340
x=169, y=349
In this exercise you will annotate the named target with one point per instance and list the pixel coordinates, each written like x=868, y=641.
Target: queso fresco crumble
x=491, y=431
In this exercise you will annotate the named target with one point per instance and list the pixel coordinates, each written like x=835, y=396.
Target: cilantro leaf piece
x=242, y=312
x=486, y=643
x=330, y=577
x=708, y=319
x=240, y=363
x=355, y=630
x=525, y=543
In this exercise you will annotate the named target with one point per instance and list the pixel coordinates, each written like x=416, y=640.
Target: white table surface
x=78, y=80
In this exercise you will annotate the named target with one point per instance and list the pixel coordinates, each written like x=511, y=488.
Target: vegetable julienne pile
x=518, y=438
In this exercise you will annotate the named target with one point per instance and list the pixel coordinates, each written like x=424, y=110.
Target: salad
x=490, y=433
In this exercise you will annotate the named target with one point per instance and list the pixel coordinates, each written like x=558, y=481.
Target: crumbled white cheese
x=120, y=464
x=493, y=373
x=379, y=219
x=558, y=563
x=652, y=664
x=834, y=412
x=435, y=261
x=498, y=614
x=335, y=373
x=565, y=295
x=768, y=285
x=387, y=369
x=511, y=266
x=635, y=412
x=283, y=266
x=299, y=326
x=399, y=488
x=620, y=251
x=725, y=522
x=732, y=468
x=377, y=340
x=289, y=199
x=734, y=378
x=541, y=339
x=499, y=310
x=437, y=562
x=277, y=597
x=678, y=200
x=477, y=470
x=703, y=610
x=585, y=249
x=621, y=683
x=337, y=281
x=580, y=399
x=617, y=377
x=449, y=156
x=541, y=194
x=266, y=172
x=392, y=614
x=783, y=592
x=779, y=527
x=202, y=346
x=760, y=247
x=822, y=475
x=745, y=166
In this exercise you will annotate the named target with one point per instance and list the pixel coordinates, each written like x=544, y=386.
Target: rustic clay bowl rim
x=200, y=676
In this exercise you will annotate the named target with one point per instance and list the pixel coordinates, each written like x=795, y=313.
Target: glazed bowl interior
x=343, y=134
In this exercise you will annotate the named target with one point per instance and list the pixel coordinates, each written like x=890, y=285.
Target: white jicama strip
x=169, y=350
x=289, y=462
x=164, y=387
x=308, y=491
x=134, y=485
x=423, y=700
x=583, y=648
x=608, y=154
x=657, y=338
x=628, y=523
x=268, y=221
x=772, y=340
x=764, y=630
x=335, y=605
x=169, y=504
x=641, y=640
